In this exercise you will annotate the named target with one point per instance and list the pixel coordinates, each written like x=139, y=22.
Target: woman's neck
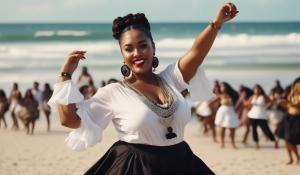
x=148, y=78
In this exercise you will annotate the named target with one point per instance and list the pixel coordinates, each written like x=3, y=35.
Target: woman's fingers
x=77, y=52
x=230, y=10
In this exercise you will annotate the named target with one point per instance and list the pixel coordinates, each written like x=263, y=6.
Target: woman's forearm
x=202, y=44
x=68, y=116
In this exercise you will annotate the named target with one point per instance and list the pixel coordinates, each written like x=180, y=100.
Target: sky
x=22, y=11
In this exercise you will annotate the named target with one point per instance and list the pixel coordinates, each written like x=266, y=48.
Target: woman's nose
x=137, y=52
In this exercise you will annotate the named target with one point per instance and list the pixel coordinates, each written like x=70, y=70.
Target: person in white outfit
x=226, y=117
x=147, y=109
x=258, y=115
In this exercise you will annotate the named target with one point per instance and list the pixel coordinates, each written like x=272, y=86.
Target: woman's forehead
x=133, y=36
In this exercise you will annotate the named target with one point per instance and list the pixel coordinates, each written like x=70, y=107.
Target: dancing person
x=29, y=111
x=258, y=115
x=84, y=77
x=289, y=127
x=47, y=93
x=4, y=106
x=38, y=95
x=147, y=109
x=242, y=109
x=14, y=99
x=275, y=111
x=205, y=114
x=226, y=117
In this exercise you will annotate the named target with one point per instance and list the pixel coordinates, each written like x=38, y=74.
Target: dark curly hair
x=231, y=92
x=135, y=21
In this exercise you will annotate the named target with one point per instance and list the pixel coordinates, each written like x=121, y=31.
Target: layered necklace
x=165, y=113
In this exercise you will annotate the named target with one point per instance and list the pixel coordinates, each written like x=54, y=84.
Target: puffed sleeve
x=95, y=113
x=198, y=86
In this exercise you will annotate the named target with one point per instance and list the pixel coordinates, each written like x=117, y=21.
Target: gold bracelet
x=214, y=26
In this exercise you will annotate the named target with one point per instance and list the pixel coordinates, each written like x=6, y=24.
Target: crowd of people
x=253, y=108
x=228, y=110
x=27, y=108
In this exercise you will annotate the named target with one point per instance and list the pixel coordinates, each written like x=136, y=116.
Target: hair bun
x=120, y=23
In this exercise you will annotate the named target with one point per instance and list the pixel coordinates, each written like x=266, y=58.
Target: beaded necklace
x=165, y=113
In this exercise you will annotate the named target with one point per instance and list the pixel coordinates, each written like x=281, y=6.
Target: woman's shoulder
x=109, y=89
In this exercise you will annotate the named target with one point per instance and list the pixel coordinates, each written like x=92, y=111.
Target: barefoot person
x=258, y=115
x=226, y=117
x=47, y=93
x=289, y=128
x=147, y=109
x=3, y=107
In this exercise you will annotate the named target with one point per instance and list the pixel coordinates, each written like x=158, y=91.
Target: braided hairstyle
x=131, y=21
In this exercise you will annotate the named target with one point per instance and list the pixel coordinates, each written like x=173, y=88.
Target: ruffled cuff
x=87, y=135
x=198, y=86
x=65, y=93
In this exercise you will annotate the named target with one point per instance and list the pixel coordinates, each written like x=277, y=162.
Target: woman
x=47, y=93
x=3, y=107
x=289, y=128
x=242, y=109
x=84, y=77
x=14, y=99
x=258, y=115
x=147, y=109
x=226, y=117
x=29, y=111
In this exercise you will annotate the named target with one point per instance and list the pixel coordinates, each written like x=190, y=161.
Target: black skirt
x=137, y=159
x=289, y=129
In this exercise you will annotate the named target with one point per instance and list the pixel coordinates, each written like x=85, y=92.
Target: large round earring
x=155, y=62
x=125, y=70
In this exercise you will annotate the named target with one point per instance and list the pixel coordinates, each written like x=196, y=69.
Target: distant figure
x=289, y=127
x=38, y=95
x=226, y=117
x=278, y=88
x=242, y=109
x=84, y=77
x=103, y=83
x=258, y=115
x=112, y=80
x=91, y=89
x=14, y=99
x=29, y=112
x=275, y=111
x=3, y=107
x=47, y=93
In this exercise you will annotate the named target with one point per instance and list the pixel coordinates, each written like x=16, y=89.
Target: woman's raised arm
x=67, y=113
x=189, y=63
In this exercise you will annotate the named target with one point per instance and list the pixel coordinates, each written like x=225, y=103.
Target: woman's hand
x=225, y=13
x=72, y=61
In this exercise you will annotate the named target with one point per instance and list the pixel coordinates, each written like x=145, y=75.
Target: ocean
x=243, y=53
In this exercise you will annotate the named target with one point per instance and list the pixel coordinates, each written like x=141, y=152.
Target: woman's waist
x=154, y=149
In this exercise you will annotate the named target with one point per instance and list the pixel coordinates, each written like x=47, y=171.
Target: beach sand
x=46, y=153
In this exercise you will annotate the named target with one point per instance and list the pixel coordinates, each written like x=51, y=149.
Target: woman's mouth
x=138, y=63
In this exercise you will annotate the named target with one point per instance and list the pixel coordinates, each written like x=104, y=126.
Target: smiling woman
x=147, y=109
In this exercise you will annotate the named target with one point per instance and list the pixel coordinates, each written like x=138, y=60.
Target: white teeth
x=138, y=61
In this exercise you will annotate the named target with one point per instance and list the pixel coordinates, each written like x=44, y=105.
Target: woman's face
x=137, y=50
x=256, y=90
x=223, y=88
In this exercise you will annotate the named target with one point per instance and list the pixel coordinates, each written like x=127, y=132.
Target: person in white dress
x=258, y=115
x=147, y=109
x=226, y=117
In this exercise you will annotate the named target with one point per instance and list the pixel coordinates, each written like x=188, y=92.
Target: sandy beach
x=46, y=153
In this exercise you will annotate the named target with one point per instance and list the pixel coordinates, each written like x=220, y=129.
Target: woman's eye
x=128, y=49
x=144, y=46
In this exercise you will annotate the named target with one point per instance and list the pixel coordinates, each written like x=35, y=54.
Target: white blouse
x=133, y=120
x=258, y=109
